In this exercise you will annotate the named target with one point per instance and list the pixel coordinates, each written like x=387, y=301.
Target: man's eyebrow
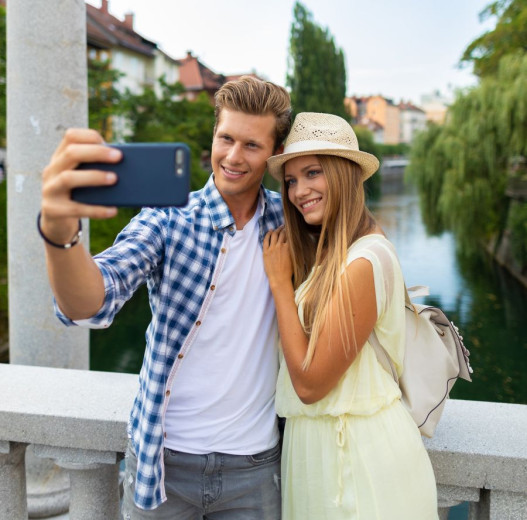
x=255, y=140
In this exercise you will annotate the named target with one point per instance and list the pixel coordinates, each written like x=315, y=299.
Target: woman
x=351, y=450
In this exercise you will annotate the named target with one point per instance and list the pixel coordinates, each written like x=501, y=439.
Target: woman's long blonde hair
x=346, y=218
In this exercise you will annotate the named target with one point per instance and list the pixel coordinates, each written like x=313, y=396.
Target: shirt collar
x=220, y=214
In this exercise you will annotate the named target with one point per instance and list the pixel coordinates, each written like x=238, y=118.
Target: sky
x=400, y=49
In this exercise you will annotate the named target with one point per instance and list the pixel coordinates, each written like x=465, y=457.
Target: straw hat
x=322, y=134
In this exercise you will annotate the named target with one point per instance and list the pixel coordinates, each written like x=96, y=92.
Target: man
x=203, y=433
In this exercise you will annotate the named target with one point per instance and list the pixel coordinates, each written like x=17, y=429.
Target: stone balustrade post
x=450, y=496
x=507, y=504
x=443, y=512
x=94, y=491
x=94, y=480
x=480, y=510
x=13, y=500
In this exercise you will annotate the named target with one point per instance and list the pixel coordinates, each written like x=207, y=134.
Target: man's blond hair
x=254, y=96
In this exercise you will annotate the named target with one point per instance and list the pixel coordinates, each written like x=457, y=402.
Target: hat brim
x=369, y=163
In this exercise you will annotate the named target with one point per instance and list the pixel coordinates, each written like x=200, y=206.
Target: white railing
x=78, y=418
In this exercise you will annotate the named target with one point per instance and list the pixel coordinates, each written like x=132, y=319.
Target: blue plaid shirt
x=176, y=252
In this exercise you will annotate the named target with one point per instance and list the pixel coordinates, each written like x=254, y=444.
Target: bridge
x=392, y=168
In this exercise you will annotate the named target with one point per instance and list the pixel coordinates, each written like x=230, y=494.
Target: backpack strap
x=382, y=356
x=415, y=292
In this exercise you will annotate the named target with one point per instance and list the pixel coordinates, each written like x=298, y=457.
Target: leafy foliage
x=3, y=249
x=103, y=232
x=393, y=149
x=367, y=144
x=461, y=168
x=518, y=226
x=104, y=99
x=172, y=118
x=3, y=184
x=317, y=74
x=2, y=76
x=508, y=37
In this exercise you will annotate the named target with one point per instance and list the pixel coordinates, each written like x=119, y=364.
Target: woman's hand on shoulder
x=277, y=258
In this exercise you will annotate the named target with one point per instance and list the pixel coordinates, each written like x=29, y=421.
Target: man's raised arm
x=75, y=279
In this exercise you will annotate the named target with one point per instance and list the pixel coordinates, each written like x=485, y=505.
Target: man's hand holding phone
x=60, y=214
x=88, y=179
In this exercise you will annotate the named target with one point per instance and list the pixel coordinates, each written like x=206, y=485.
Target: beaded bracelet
x=75, y=240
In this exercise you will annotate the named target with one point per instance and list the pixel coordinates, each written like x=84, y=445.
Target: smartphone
x=149, y=174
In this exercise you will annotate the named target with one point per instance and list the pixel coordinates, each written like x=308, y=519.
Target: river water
x=485, y=302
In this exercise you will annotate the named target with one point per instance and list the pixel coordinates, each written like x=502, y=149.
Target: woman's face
x=307, y=187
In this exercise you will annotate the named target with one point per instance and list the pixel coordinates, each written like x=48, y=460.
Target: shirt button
x=180, y=356
x=165, y=435
x=212, y=287
x=198, y=323
x=167, y=393
x=223, y=250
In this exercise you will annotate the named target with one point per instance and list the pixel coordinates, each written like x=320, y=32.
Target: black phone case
x=150, y=174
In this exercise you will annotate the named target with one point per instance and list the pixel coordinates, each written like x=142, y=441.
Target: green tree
x=173, y=118
x=104, y=99
x=509, y=36
x=428, y=161
x=3, y=250
x=3, y=183
x=367, y=144
x=4, y=322
x=2, y=77
x=461, y=169
x=316, y=70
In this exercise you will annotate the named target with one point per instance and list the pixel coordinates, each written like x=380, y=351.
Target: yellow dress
x=357, y=454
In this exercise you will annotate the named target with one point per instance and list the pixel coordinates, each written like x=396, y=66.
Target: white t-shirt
x=222, y=398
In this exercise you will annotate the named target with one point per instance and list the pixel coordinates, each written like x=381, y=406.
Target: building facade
x=412, y=121
x=435, y=106
x=377, y=113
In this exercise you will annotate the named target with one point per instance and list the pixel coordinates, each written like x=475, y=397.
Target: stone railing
x=479, y=454
x=78, y=419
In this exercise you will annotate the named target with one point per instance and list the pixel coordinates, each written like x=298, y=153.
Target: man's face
x=241, y=146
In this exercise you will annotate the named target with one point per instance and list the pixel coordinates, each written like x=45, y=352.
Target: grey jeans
x=215, y=486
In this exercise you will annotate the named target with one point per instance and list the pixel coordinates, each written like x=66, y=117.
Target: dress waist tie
x=340, y=427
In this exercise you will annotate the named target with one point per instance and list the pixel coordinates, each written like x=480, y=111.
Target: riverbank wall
x=504, y=248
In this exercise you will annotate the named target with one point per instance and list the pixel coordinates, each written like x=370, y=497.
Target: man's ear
x=279, y=150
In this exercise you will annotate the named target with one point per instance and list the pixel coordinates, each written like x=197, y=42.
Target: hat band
x=308, y=146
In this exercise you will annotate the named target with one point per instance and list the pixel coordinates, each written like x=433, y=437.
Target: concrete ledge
x=65, y=408
x=481, y=445
x=78, y=418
